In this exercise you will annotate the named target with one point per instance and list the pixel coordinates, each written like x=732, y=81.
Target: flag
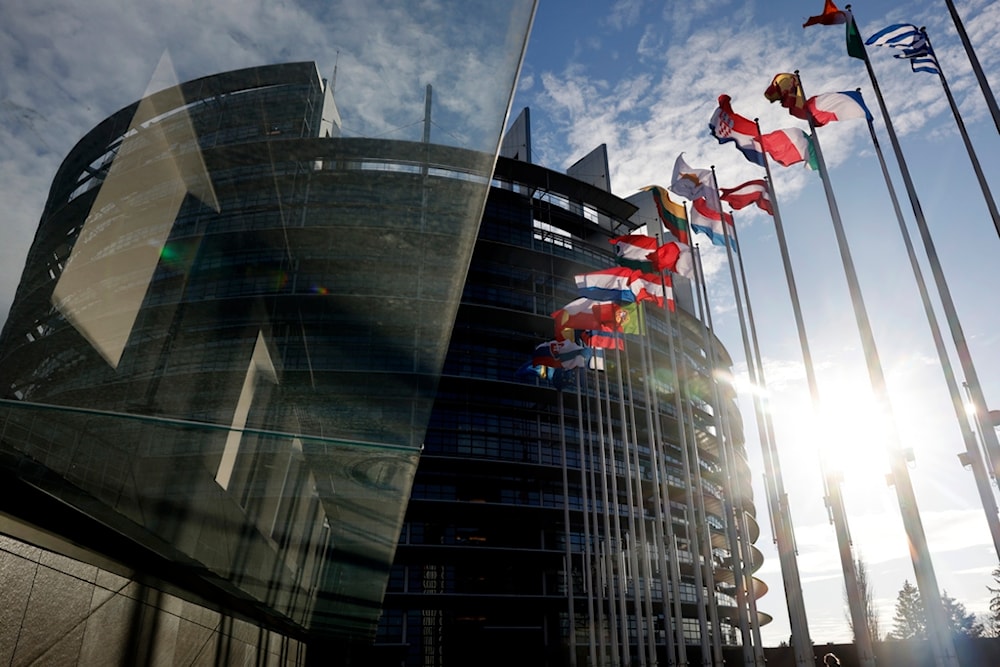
x=837, y=106
x=547, y=354
x=604, y=340
x=786, y=89
x=727, y=125
x=672, y=215
x=855, y=47
x=612, y=284
x=631, y=319
x=585, y=313
x=572, y=355
x=560, y=354
x=689, y=182
x=830, y=16
x=913, y=41
x=649, y=287
x=751, y=192
x=528, y=370
x=654, y=287
x=708, y=221
x=790, y=146
x=675, y=257
x=633, y=251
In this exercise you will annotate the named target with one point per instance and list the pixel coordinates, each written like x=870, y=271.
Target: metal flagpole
x=607, y=580
x=643, y=538
x=723, y=432
x=780, y=512
x=990, y=442
x=990, y=204
x=940, y=633
x=627, y=411
x=588, y=507
x=972, y=456
x=568, y=569
x=696, y=465
x=613, y=530
x=831, y=481
x=671, y=536
x=693, y=540
x=976, y=67
x=753, y=362
x=661, y=531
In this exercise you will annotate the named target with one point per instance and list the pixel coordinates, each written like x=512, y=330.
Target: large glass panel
x=252, y=223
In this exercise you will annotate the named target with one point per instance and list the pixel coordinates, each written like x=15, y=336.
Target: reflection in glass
x=231, y=322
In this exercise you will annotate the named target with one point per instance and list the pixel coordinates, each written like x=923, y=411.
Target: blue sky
x=643, y=77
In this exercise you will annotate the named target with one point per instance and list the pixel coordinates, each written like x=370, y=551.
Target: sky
x=644, y=78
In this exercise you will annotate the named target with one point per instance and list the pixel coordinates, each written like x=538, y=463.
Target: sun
x=849, y=430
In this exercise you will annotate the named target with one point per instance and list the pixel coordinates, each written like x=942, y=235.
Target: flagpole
x=972, y=454
x=976, y=67
x=990, y=204
x=747, y=554
x=942, y=642
x=780, y=514
x=568, y=569
x=708, y=571
x=640, y=497
x=675, y=572
x=659, y=538
x=640, y=571
x=723, y=436
x=608, y=575
x=989, y=436
x=588, y=504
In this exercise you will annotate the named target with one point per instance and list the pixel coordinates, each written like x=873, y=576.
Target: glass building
x=219, y=363
x=596, y=516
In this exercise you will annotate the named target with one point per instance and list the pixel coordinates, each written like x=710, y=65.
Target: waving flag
x=786, y=89
x=634, y=250
x=691, y=183
x=654, y=287
x=790, y=146
x=587, y=314
x=837, y=106
x=572, y=355
x=675, y=257
x=830, y=16
x=672, y=215
x=547, y=354
x=612, y=284
x=913, y=41
x=751, y=192
x=727, y=125
x=708, y=221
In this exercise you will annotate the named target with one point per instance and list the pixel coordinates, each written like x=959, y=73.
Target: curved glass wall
x=593, y=518
x=252, y=224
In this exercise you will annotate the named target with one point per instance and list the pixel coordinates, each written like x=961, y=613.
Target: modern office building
x=217, y=373
x=600, y=519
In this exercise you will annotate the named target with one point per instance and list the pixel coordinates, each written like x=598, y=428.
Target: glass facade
x=219, y=362
x=585, y=523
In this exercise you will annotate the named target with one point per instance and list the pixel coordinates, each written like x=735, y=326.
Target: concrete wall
x=60, y=611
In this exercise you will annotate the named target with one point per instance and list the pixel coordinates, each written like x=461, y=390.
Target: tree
x=993, y=620
x=909, y=621
x=961, y=622
x=868, y=598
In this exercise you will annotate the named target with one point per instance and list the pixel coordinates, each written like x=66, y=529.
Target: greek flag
x=913, y=43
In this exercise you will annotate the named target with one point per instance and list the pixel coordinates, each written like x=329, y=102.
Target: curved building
x=222, y=355
x=590, y=517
